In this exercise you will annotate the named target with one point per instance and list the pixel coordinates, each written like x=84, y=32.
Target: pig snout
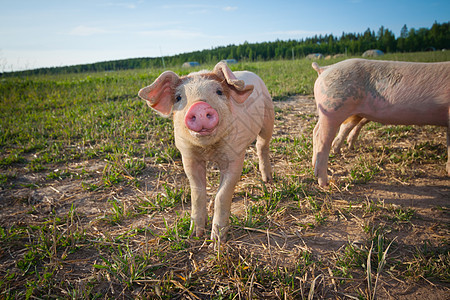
x=201, y=118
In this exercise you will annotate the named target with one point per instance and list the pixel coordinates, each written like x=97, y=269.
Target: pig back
x=409, y=93
x=388, y=92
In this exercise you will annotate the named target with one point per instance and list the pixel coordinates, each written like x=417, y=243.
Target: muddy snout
x=201, y=118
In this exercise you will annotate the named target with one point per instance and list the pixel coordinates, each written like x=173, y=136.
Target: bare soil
x=421, y=187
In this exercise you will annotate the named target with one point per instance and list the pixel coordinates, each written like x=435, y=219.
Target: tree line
x=410, y=40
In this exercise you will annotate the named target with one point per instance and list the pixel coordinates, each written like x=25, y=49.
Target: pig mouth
x=204, y=132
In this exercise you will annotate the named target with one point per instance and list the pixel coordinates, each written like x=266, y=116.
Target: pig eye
x=219, y=92
x=178, y=98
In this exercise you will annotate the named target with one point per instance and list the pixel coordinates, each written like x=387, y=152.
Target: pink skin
x=397, y=93
x=216, y=116
x=349, y=129
x=201, y=118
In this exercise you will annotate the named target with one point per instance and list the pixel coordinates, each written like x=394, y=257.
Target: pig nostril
x=201, y=117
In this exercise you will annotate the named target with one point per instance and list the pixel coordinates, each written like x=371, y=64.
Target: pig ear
x=159, y=95
x=239, y=91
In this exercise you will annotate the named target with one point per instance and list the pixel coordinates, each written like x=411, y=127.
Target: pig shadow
x=424, y=196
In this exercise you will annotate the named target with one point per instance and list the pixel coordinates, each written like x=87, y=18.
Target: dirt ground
x=422, y=188
x=426, y=191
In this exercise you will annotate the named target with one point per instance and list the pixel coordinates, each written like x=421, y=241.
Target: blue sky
x=44, y=33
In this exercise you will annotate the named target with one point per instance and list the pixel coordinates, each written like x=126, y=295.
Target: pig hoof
x=337, y=151
x=219, y=234
x=197, y=231
x=322, y=182
x=268, y=179
x=336, y=148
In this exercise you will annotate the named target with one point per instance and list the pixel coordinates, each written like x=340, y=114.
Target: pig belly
x=424, y=115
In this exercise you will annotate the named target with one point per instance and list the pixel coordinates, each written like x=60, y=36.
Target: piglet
x=216, y=116
x=388, y=92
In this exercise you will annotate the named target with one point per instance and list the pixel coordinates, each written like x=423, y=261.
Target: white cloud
x=128, y=5
x=87, y=31
x=184, y=6
x=230, y=8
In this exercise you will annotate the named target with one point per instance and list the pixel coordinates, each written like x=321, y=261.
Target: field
x=94, y=203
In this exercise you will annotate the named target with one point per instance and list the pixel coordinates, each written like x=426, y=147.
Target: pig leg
x=262, y=148
x=323, y=137
x=315, y=133
x=229, y=176
x=196, y=172
x=344, y=130
x=351, y=139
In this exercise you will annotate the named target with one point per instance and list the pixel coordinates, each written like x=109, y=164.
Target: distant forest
x=410, y=40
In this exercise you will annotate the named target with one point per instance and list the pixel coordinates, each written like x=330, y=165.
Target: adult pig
x=216, y=116
x=398, y=93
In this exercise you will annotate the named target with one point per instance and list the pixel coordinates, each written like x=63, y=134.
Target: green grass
x=56, y=119
x=69, y=142
x=364, y=171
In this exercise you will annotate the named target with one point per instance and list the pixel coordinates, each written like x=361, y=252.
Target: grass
x=94, y=201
